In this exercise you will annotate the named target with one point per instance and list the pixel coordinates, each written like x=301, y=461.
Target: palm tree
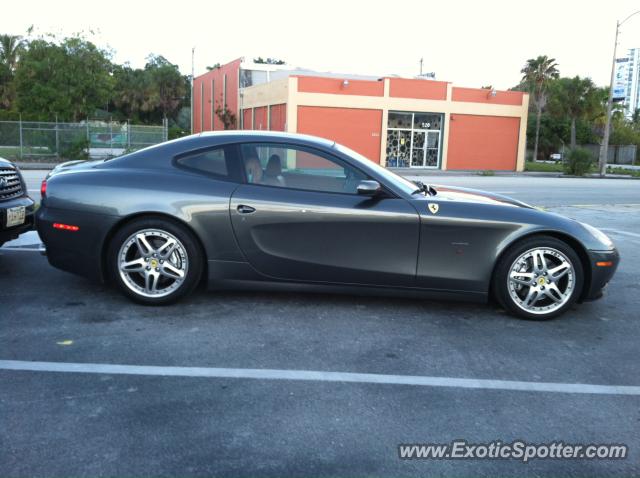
x=10, y=47
x=576, y=98
x=537, y=74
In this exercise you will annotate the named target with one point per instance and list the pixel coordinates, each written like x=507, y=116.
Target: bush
x=76, y=149
x=176, y=132
x=579, y=162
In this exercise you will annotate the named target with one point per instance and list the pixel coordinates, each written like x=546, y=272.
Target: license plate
x=15, y=216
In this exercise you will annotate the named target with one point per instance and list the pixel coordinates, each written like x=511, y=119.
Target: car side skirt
x=231, y=275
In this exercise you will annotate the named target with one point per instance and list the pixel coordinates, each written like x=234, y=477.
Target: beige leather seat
x=253, y=170
x=273, y=173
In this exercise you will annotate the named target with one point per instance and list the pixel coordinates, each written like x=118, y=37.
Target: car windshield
x=407, y=186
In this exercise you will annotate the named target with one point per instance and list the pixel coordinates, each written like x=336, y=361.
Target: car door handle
x=243, y=209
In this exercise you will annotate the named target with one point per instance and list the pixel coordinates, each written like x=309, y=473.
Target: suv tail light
x=43, y=188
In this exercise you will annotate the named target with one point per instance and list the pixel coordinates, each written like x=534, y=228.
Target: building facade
x=627, y=81
x=396, y=122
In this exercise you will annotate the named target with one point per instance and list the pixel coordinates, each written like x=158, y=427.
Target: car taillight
x=65, y=227
x=43, y=188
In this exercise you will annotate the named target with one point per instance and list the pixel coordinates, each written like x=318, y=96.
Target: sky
x=470, y=43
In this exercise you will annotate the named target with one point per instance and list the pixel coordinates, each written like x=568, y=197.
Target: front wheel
x=538, y=278
x=155, y=261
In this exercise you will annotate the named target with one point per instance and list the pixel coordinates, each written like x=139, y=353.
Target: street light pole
x=604, y=149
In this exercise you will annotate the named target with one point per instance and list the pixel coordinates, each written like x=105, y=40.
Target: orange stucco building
x=397, y=122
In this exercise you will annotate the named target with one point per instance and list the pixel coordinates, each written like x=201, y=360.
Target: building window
x=252, y=78
x=414, y=139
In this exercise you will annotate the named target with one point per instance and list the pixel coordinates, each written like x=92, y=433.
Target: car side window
x=292, y=167
x=213, y=162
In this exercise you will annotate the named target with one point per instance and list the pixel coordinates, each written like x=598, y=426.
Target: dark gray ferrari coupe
x=283, y=211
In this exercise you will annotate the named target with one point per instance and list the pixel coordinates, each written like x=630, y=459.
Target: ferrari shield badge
x=433, y=207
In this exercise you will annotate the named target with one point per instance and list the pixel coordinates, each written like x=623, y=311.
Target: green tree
x=635, y=119
x=554, y=132
x=11, y=46
x=536, y=75
x=10, y=49
x=70, y=79
x=577, y=99
x=166, y=86
x=268, y=61
x=7, y=91
x=129, y=92
x=158, y=91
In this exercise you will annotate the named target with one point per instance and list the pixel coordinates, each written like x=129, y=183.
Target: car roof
x=259, y=134
x=208, y=139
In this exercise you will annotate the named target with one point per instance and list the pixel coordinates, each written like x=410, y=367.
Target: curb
x=503, y=174
x=35, y=166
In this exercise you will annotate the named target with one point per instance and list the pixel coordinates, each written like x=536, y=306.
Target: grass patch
x=631, y=172
x=29, y=154
x=544, y=167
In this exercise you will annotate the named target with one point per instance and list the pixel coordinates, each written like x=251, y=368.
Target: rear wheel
x=538, y=278
x=155, y=261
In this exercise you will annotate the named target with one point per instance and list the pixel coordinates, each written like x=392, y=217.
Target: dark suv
x=16, y=208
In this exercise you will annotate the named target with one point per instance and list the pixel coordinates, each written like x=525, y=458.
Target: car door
x=298, y=217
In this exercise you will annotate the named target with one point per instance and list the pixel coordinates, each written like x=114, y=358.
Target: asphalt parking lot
x=232, y=387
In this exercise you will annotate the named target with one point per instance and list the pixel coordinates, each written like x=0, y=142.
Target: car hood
x=458, y=194
x=5, y=162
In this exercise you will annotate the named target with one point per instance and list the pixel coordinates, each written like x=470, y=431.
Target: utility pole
x=193, y=53
x=604, y=149
x=421, y=62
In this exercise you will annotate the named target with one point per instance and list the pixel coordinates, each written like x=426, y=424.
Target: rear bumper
x=603, y=267
x=8, y=234
x=79, y=252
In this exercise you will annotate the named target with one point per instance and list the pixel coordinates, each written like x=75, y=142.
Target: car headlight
x=598, y=235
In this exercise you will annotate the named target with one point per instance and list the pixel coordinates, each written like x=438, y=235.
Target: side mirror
x=369, y=188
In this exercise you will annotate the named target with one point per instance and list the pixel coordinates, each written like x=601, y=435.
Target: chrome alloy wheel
x=541, y=280
x=153, y=263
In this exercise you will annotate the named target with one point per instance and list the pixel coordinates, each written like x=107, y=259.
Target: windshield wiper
x=424, y=188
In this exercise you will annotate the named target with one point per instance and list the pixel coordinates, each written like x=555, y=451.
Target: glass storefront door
x=413, y=140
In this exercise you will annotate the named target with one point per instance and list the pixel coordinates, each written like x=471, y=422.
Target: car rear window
x=213, y=162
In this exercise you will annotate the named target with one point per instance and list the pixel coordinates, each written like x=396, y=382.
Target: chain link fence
x=55, y=141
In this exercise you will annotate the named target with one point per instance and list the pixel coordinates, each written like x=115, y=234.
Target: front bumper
x=8, y=234
x=603, y=266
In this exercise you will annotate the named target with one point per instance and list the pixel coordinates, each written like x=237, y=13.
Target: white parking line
x=22, y=249
x=317, y=376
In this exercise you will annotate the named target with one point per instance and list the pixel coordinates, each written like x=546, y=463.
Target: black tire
x=189, y=247
x=500, y=280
